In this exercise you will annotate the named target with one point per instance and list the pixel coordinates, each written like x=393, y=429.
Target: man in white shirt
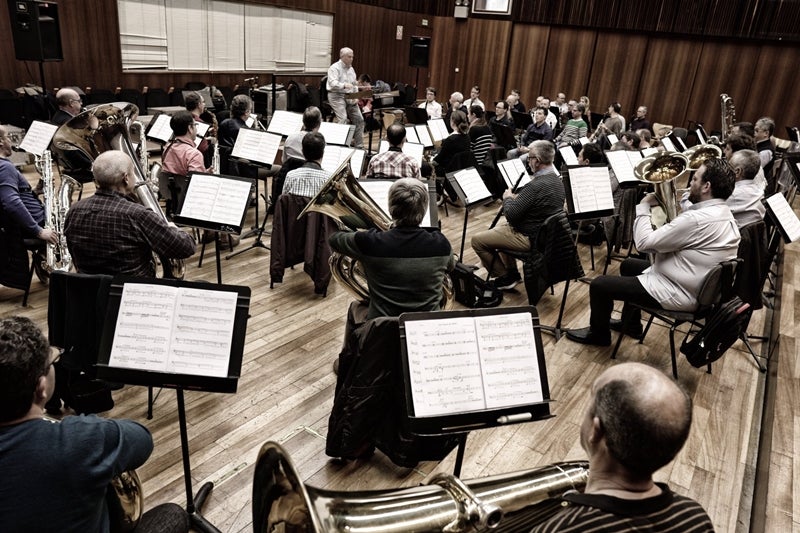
x=341, y=81
x=473, y=99
x=683, y=252
x=430, y=105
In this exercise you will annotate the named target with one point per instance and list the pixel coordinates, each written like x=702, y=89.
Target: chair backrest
x=718, y=284
x=480, y=147
x=156, y=97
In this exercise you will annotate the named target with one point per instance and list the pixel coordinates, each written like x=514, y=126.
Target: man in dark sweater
x=637, y=422
x=405, y=266
x=525, y=212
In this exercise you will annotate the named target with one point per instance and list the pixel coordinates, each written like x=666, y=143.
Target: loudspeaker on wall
x=35, y=29
x=419, y=52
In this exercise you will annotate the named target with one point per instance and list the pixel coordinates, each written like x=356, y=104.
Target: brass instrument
x=728, y=112
x=215, y=161
x=107, y=127
x=507, y=502
x=663, y=171
x=137, y=134
x=698, y=154
x=345, y=201
x=55, y=211
x=126, y=499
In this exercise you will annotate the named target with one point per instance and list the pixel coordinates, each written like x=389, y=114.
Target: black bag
x=473, y=291
x=720, y=331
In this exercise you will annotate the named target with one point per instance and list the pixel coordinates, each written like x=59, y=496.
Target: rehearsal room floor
x=286, y=391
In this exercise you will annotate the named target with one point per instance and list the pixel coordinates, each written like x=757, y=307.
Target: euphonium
x=126, y=499
x=507, y=502
x=728, y=112
x=663, y=171
x=698, y=154
x=345, y=201
x=107, y=127
x=55, y=212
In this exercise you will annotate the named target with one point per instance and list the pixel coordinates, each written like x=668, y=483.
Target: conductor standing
x=342, y=80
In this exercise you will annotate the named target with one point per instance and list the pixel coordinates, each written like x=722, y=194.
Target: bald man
x=637, y=421
x=109, y=233
x=69, y=104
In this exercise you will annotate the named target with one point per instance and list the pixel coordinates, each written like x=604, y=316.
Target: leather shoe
x=587, y=336
x=632, y=331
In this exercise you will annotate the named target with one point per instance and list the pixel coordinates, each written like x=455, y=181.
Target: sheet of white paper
x=424, y=135
x=37, y=138
x=667, y=142
x=584, y=140
x=202, y=128
x=438, y=129
x=568, y=154
x=336, y=133
x=647, y=152
x=472, y=185
x=621, y=163
x=613, y=139
x=285, y=122
x=413, y=149
x=785, y=215
x=591, y=189
x=411, y=135
x=378, y=190
x=259, y=146
x=160, y=129
x=511, y=169
x=215, y=199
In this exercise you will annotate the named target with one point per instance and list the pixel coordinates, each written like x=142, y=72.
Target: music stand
x=153, y=331
x=415, y=115
x=472, y=369
x=589, y=196
x=521, y=120
x=503, y=134
x=215, y=203
x=471, y=190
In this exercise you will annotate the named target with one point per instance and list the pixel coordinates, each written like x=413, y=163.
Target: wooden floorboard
x=286, y=392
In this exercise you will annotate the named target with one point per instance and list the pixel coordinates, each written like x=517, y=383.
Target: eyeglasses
x=76, y=100
x=53, y=361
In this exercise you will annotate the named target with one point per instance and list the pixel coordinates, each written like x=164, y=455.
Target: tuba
x=107, y=127
x=698, y=154
x=728, y=112
x=57, y=256
x=507, y=502
x=343, y=199
x=663, y=171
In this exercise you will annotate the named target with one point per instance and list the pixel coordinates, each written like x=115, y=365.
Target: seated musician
x=196, y=105
x=405, y=266
x=636, y=423
x=293, y=145
x=393, y=163
x=109, y=233
x=539, y=130
x=514, y=101
x=742, y=141
x=683, y=252
x=639, y=121
x=241, y=107
x=75, y=162
x=525, y=211
x=56, y=475
x=180, y=158
x=455, y=103
x=575, y=128
x=430, y=105
x=502, y=115
x=763, y=130
x=69, y=105
x=308, y=179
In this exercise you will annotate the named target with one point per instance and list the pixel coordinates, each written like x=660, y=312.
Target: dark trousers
x=605, y=289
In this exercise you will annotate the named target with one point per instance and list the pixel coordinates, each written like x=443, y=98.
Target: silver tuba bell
x=506, y=502
x=663, y=171
x=698, y=154
x=107, y=127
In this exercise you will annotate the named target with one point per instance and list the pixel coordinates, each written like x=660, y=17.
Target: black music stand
x=215, y=203
x=463, y=181
x=416, y=115
x=118, y=360
x=256, y=229
x=472, y=369
x=521, y=120
x=504, y=135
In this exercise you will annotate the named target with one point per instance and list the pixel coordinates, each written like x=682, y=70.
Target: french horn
x=343, y=199
x=506, y=502
x=107, y=127
x=663, y=171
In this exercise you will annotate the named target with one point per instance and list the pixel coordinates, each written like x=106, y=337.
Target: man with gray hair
x=69, y=104
x=341, y=81
x=455, y=103
x=525, y=211
x=763, y=130
x=109, y=233
x=405, y=265
x=637, y=421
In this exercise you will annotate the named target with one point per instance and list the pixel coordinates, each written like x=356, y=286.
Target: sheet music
x=172, y=329
x=160, y=129
x=681, y=143
x=38, y=137
x=463, y=364
x=785, y=215
x=667, y=142
x=424, y=135
x=336, y=133
x=623, y=162
x=438, y=129
x=411, y=135
x=415, y=150
x=378, y=190
x=202, y=128
x=254, y=145
x=591, y=189
x=334, y=155
x=249, y=121
x=216, y=199
x=613, y=139
x=700, y=136
x=568, y=154
x=511, y=170
x=285, y=122
x=647, y=152
x=584, y=140
x=471, y=183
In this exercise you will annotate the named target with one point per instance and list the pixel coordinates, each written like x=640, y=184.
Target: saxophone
x=55, y=212
x=215, y=159
x=728, y=115
x=138, y=136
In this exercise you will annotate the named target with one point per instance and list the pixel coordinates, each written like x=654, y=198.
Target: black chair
x=134, y=96
x=751, y=275
x=155, y=97
x=11, y=110
x=718, y=286
x=175, y=97
x=20, y=258
x=100, y=96
x=195, y=85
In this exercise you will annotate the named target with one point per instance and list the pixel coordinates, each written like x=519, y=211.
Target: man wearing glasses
x=69, y=104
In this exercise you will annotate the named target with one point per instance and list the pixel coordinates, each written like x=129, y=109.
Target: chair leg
x=646, y=329
x=672, y=350
x=34, y=258
x=744, y=339
x=616, y=346
x=561, y=310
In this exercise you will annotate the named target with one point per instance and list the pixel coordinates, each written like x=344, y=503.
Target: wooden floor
x=286, y=391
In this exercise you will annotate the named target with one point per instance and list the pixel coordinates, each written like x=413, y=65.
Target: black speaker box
x=34, y=27
x=419, y=52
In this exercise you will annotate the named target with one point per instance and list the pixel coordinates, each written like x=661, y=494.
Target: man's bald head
x=69, y=100
x=643, y=415
x=111, y=170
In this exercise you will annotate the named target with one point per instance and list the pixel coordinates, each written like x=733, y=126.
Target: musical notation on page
x=472, y=185
x=568, y=154
x=157, y=330
x=438, y=129
x=160, y=129
x=623, y=162
x=216, y=199
x=38, y=137
x=285, y=123
x=511, y=170
x=591, y=189
x=785, y=217
x=334, y=155
x=335, y=133
x=258, y=146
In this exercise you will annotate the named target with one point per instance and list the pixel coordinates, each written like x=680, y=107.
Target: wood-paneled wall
x=678, y=78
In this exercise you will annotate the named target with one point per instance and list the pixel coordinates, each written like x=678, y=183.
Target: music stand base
x=199, y=523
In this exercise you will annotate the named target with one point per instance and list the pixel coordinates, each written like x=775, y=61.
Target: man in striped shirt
x=636, y=423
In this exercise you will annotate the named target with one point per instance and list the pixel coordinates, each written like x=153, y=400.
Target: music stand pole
x=193, y=506
x=464, y=233
x=462, y=446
